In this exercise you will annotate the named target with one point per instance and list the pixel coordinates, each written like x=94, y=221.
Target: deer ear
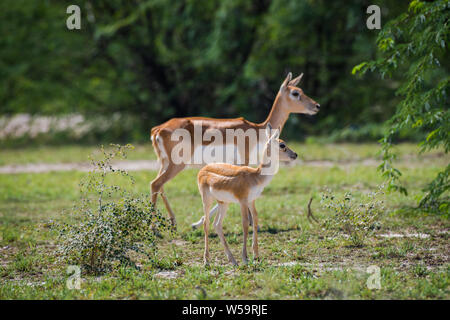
x=276, y=135
x=286, y=82
x=295, y=81
x=268, y=130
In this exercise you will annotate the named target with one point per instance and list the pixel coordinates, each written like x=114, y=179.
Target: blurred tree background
x=151, y=60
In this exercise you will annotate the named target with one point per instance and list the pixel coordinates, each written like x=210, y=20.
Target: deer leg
x=207, y=201
x=157, y=186
x=213, y=211
x=244, y=214
x=154, y=187
x=310, y=214
x=250, y=219
x=169, y=209
x=218, y=225
x=255, y=231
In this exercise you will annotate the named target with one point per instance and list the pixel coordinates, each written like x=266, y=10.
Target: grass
x=299, y=260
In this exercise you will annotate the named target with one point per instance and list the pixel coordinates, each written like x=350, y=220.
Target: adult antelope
x=227, y=183
x=290, y=99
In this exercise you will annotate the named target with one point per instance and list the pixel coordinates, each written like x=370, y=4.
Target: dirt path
x=130, y=165
x=152, y=165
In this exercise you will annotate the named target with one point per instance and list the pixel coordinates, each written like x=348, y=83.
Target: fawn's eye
x=282, y=145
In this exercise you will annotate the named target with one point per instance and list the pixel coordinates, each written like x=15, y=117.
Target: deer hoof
x=232, y=260
x=197, y=224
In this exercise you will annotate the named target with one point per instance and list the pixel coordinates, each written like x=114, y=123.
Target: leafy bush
x=110, y=228
x=414, y=45
x=357, y=219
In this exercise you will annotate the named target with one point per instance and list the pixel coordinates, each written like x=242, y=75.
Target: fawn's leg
x=255, y=231
x=207, y=201
x=218, y=225
x=244, y=214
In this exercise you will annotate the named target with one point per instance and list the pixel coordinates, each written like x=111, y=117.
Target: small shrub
x=420, y=270
x=168, y=262
x=357, y=219
x=112, y=223
x=24, y=262
x=10, y=235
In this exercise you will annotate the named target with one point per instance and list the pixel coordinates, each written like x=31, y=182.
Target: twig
x=310, y=214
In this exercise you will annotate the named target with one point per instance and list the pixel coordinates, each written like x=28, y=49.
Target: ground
x=299, y=259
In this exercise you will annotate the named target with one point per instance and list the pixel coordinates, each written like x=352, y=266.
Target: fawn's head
x=295, y=100
x=285, y=154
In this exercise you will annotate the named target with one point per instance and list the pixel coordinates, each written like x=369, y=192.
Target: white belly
x=255, y=192
x=224, y=196
x=227, y=196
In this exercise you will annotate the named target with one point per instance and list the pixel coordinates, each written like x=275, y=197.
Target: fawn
x=227, y=183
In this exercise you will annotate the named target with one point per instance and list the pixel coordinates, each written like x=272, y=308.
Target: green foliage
x=110, y=228
x=414, y=45
x=356, y=218
x=437, y=193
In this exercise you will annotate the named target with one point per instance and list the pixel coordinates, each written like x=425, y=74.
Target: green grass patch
x=299, y=261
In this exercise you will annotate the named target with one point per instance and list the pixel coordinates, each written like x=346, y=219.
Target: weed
x=357, y=219
x=420, y=270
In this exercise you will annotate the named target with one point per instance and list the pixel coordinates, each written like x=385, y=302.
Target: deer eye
x=282, y=145
x=296, y=94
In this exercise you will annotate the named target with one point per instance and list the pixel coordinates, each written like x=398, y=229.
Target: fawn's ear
x=286, y=82
x=295, y=81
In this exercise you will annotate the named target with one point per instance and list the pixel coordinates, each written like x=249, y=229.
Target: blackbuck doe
x=290, y=99
x=226, y=183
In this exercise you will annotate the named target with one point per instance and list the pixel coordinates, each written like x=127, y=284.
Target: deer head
x=285, y=154
x=295, y=100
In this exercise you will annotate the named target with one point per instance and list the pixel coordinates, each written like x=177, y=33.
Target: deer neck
x=278, y=114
